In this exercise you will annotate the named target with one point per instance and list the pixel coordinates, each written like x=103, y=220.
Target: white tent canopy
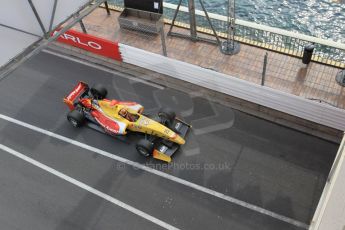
x=26, y=22
x=13, y=42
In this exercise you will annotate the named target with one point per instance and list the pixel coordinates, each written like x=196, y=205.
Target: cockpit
x=128, y=116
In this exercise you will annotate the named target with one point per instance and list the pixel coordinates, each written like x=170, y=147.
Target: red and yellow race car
x=162, y=134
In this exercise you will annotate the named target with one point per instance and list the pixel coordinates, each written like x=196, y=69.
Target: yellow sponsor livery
x=137, y=122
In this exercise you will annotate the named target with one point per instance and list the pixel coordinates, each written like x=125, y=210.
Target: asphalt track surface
x=279, y=170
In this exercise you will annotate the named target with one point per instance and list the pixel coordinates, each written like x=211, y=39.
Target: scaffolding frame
x=192, y=22
x=230, y=46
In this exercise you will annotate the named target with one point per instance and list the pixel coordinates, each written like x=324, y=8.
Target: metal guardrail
x=279, y=40
x=284, y=102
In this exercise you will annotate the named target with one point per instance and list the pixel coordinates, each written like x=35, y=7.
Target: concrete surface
x=256, y=161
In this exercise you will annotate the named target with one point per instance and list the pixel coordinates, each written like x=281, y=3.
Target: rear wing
x=73, y=97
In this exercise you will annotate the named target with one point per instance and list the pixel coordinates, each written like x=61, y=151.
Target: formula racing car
x=162, y=134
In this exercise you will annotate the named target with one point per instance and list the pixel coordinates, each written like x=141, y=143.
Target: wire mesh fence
x=284, y=72
x=258, y=35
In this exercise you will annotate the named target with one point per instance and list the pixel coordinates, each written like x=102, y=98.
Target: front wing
x=164, y=149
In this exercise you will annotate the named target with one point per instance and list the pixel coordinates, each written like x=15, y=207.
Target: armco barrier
x=92, y=44
x=306, y=109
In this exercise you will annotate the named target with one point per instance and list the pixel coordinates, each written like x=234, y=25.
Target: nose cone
x=179, y=140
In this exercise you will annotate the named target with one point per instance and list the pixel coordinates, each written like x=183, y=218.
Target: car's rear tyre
x=76, y=118
x=167, y=116
x=145, y=147
x=98, y=91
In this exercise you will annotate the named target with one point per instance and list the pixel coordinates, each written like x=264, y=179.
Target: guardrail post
x=163, y=41
x=82, y=26
x=264, y=69
x=107, y=7
x=340, y=78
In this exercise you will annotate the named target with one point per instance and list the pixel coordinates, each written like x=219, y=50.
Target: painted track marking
x=88, y=188
x=159, y=173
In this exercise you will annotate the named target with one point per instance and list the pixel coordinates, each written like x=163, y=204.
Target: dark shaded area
x=145, y=5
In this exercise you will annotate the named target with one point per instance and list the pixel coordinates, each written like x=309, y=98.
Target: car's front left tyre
x=145, y=147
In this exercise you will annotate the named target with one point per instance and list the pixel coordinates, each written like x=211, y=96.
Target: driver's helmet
x=123, y=112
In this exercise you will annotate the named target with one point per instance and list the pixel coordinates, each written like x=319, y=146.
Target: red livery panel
x=107, y=123
x=91, y=43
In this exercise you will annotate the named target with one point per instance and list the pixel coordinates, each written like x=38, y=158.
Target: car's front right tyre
x=167, y=116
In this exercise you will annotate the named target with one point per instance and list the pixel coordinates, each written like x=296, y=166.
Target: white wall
x=330, y=213
x=12, y=43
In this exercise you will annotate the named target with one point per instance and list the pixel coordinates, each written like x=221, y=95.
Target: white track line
x=105, y=69
x=88, y=188
x=159, y=173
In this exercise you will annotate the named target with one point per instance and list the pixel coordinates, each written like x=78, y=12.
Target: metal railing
x=279, y=40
